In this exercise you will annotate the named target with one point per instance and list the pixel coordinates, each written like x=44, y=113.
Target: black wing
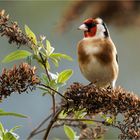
x=106, y=33
x=117, y=58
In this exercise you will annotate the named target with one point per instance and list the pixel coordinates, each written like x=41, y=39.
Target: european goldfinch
x=97, y=54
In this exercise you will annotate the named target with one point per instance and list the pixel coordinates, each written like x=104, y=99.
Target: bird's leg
x=111, y=85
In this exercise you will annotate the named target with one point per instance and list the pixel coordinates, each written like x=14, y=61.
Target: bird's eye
x=93, y=24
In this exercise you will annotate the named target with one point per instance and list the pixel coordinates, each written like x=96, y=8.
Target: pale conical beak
x=83, y=27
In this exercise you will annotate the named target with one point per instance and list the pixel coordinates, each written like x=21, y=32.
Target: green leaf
x=30, y=34
x=45, y=90
x=48, y=65
x=69, y=132
x=12, y=114
x=55, y=62
x=49, y=48
x=110, y=120
x=44, y=93
x=64, y=75
x=45, y=79
x=1, y=110
x=80, y=114
x=1, y=128
x=63, y=114
x=10, y=136
x=53, y=84
x=60, y=55
x=16, y=55
x=103, y=116
x=15, y=128
x=29, y=59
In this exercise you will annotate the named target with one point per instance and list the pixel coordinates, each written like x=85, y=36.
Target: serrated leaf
x=16, y=55
x=60, y=55
x=64, y=75
x=12, y=114
x=69, y=132
x=30, y=34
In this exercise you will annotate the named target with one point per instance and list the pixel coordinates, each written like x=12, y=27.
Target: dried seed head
x=92, y=133
x=12, y=31
x=18, y=79
x=114, y=102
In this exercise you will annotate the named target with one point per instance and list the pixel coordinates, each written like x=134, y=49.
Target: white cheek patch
x=100, y=30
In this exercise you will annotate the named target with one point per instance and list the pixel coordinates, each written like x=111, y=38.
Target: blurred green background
x=43, y=17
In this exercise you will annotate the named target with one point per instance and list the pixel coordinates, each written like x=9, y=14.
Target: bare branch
x=53, y=120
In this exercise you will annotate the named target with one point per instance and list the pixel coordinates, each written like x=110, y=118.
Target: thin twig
x=53, y=120
x=65, y=119
x=97, y=121
x=59, y=125
x=44, y=64
x=46, y=69
x=53, y=100
x=54, y=91
x=33, y=133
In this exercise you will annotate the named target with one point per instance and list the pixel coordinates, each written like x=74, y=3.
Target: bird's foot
x=109, y=88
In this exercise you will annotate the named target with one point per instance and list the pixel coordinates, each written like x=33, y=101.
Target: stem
x=53, y=120
x=54, y=91
x=102, y=122
x=33, y=133
x=44, y=64
x=58, y=125
x=65, y=119
x=53, y=99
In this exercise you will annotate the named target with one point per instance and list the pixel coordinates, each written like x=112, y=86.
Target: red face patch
x=90, y=33
x=91, y=30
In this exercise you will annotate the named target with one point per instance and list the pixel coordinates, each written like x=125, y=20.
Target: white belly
x=100, y=75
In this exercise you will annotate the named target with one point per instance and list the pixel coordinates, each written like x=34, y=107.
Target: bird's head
x=94, y=28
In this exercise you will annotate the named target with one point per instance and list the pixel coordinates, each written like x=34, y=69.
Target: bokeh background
x=58, y=20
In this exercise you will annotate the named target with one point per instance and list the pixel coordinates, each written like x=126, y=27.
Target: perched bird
x=97, y=54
